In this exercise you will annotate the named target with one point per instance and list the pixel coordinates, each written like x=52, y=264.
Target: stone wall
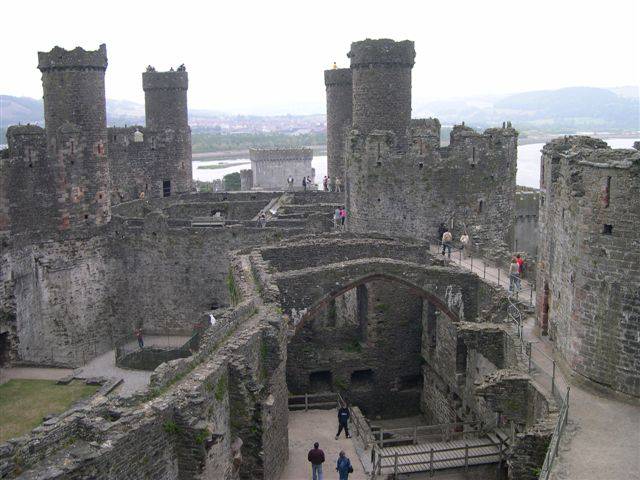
x=526, y=224
x=469, y=185
x=589, y=253
x=272, y=167
x=207, y=424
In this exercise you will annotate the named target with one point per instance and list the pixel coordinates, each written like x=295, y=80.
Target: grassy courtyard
x=23, y=403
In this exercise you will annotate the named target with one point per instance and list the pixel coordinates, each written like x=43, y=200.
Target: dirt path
x=33, y=373
x=317, y=426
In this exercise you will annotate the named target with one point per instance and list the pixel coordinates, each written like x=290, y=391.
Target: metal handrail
x=552, y=449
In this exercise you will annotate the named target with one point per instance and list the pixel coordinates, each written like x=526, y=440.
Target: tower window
x=607, y=229
x=480, y=205
x=606, y=192
x=166, y=188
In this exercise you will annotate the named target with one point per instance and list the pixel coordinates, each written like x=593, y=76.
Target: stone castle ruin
x=101, y=235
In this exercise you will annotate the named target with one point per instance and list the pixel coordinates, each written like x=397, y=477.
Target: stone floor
x=133, y=380
x=102, y=366
x=33, y=373
x=320, y=426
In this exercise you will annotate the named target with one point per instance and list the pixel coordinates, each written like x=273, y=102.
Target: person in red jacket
x=316, y=457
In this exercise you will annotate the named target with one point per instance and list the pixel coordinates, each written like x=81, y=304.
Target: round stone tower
x=339, y=114
x=165, y=99
x=382, y=86
x=168, y=133
x=76, y=131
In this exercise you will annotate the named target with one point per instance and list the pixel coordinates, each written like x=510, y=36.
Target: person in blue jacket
x=343, y=466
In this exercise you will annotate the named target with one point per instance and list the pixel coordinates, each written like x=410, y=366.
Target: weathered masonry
x=589, y=280
x=272, y=166
x=399, y=180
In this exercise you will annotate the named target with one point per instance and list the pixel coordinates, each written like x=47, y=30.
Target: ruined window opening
x=362, y=378
x=473, y=155
x=541, y=200
x=86, y=216
x=461, y=357
x=542, y=174
x=607, y=229
x=166, y=188
x=563, y=214
x=378, y=163
x=100, y=196
x=320, y=381
x=432, y=325
x=71, y=147
x=146, y=186
x=607, y=192
x=421, y=165
x=410, y=382
x=480, y=204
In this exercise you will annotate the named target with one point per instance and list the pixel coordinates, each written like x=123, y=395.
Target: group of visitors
x=262, y=220
x=330, y=186
x=339, y=217
x=306, y=183
x=516, y=266
x=445, y=237
x=343, y=464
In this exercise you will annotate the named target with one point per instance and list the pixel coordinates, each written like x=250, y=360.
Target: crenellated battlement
x=384, y=51
x=77, y=59
x=338, y=76
x=172, y=80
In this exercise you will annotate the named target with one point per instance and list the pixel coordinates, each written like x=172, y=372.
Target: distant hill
x=565, y=109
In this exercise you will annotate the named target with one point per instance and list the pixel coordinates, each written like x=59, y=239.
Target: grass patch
x=23, y=403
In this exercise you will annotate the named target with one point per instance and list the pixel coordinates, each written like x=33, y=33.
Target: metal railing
x=423, y=433
x=552, y=450
x=431, y=465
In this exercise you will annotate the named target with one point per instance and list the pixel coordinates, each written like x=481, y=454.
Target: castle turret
x=168, y=133
x=165, y=99
x=76, y=133
x=382, y=86
x=588, y=278
x=339, y=115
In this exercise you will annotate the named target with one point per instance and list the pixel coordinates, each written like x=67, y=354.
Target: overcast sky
x=268, y=56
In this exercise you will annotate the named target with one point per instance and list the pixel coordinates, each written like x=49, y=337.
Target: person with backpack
x=316, y=458
x=446, y=242
x=343, y=466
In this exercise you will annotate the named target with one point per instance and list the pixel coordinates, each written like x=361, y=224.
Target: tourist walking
x=336, y=218
x=514, y=276
x=262, y=220
x=316, y=458
x=309, y=182
x=520, y=262
x=446, y=242
x=464, y=244
x=343, y=421
x=304, y=183
x=343, y=466
x=138, y=333
x=290, y=183
x=338, y=185
x=325, y=183
x=343, y=216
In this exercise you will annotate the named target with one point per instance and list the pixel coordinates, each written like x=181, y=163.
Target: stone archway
x=321, y=304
